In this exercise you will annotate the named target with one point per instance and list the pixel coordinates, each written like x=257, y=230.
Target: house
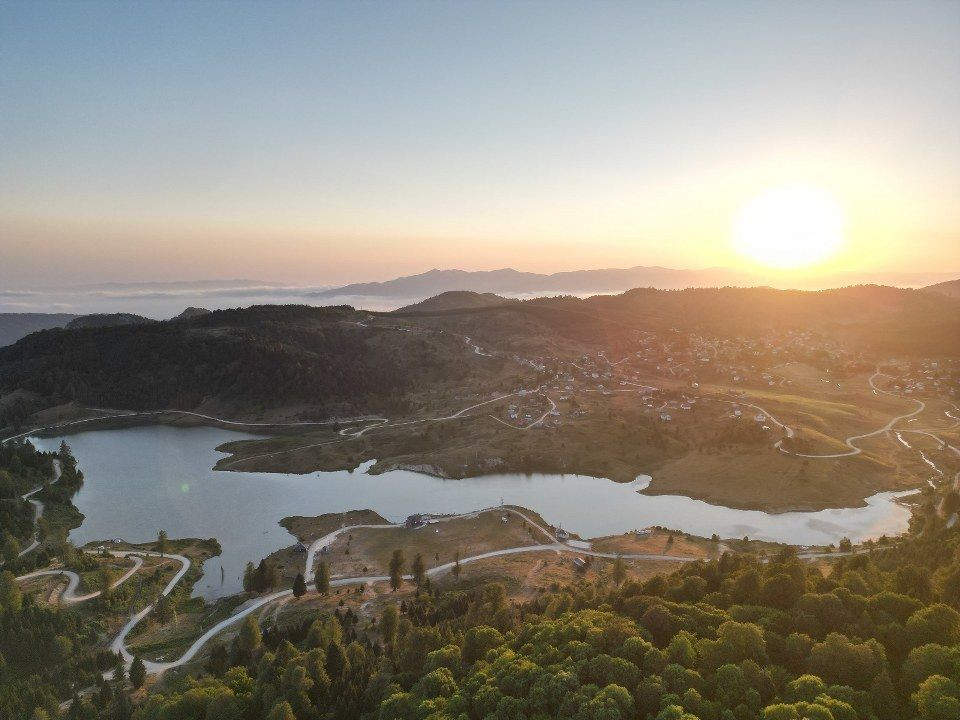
x=561, y=534
x=759, y=417
x=580, y=564
x=299, y=548
x=416, y=521
x=665, y=417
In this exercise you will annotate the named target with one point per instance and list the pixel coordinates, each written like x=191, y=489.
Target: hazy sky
x=330, y=142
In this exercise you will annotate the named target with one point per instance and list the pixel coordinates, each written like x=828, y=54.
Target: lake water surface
x=143, y=479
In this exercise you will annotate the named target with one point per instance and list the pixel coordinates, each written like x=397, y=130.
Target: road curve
x=854, y=450
x=69, y=596
x=119, y=645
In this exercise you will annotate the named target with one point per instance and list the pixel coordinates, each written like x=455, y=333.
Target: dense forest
x=314, y=359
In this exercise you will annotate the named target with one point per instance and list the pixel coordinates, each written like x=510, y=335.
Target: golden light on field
x=790, y=226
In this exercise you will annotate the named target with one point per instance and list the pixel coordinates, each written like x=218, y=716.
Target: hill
x=191, y=312
x=14, y=326
x=98, y=320
x=456, y=300
x=951, y=288
x=877, y=319
x=260, y=361
x=301, y=361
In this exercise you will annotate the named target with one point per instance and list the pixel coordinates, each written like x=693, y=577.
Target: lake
x=142, y=479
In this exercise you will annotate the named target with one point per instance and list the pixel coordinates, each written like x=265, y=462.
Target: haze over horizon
x=330, y=144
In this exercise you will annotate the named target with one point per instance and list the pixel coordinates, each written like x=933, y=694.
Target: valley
x=533, y=459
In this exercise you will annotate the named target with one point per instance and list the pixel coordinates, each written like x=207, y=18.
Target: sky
x=326, y=143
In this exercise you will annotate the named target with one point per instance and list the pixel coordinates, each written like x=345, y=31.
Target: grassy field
x=369, y=551
x=659, y=542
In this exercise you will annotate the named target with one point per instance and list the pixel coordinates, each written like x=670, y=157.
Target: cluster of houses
x=938, y=376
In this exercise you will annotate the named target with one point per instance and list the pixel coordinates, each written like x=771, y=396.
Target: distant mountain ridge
x=601, y=281
x=434, y=282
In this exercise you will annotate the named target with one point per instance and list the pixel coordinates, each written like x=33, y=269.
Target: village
x=669, y=375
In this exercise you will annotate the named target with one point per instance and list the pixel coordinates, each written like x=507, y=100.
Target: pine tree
x=138, y=672
x=163, y=609
x=250, y=637
x=336, y=662
x=322, y=578
x=419, y=570
x=282, y=711
x=396, y=569
x=619, y=571
x=388, y=624
x=299, y=586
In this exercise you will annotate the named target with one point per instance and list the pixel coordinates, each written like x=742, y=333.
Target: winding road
x=69, y=595
x=38, y=508
x=119, y=643
x=854, y=450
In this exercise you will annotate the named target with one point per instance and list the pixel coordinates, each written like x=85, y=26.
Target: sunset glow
x=789, y=227
x=364, y=142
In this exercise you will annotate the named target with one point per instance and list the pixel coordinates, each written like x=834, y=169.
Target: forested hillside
x=315, y=359
x=315, y=362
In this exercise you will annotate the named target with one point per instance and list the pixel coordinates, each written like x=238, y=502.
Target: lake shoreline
x=150, y=477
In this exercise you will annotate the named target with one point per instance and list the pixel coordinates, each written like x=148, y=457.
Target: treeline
x=70, y=482
x=22, y=469
x=258, y=358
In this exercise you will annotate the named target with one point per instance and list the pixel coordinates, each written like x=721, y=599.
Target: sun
x=790, y=226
